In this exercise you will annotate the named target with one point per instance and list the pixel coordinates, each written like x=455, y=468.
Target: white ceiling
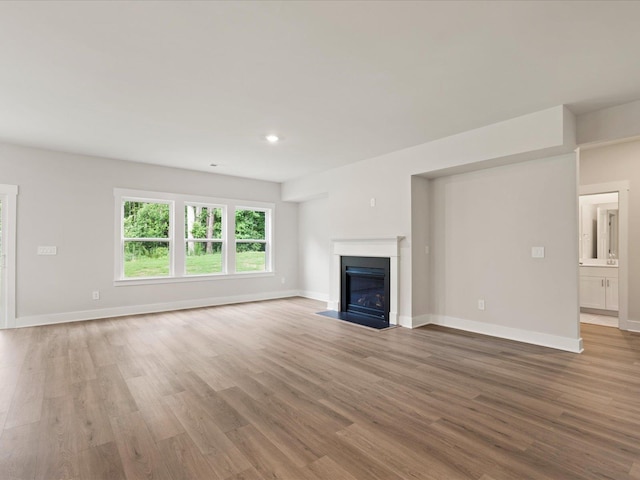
x=187, y=84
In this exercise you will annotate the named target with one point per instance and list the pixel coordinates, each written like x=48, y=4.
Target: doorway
x=603, y=247
x=8, y=195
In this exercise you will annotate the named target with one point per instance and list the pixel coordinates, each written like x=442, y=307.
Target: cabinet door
x=612, y=294
x=592, y=292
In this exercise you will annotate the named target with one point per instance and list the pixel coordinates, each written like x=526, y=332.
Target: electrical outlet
x=426, y=249
x=282, y=280
x=481, y=304
x=47, y=250
x=96, y=295
x=372, y=202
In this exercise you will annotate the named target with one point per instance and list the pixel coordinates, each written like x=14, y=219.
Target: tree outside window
x=146, y=243
x=251, y=240
x=203, y=245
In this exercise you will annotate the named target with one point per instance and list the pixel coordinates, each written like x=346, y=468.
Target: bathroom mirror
x=599, y=227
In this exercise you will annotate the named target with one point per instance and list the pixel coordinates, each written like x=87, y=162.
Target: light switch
x=372, y=202
x=537, y=252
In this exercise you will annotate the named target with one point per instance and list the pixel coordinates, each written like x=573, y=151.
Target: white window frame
x=9, y=194
x=267, y=237
x=170, y=239
x=178, y=236
x=222, y=239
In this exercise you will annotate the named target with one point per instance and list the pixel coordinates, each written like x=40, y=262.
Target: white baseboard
x=633, y=325
x=404, y=321
x=526, y=336
x=420, y=320
x=323, y=297
x=77, y=316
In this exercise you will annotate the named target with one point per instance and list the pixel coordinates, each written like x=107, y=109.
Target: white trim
x=323, y=297
x=633, y=325
x=78, y=316
x=386, y=247
x=144, y=195
x=405, y=321
x=573, y=345
x=268, y=236
x=420, y=320
x=190, y=278
x=9, y=194
x=177, y=237
x=622, y=187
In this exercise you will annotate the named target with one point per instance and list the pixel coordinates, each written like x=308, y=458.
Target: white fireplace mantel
x=387, y=247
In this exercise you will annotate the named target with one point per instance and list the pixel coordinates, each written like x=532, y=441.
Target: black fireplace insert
x=365, y=287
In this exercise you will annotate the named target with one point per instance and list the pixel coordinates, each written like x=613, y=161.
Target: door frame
x=9, y=194
x=622, y=188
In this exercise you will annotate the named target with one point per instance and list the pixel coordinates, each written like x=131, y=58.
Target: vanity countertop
x=598, y=265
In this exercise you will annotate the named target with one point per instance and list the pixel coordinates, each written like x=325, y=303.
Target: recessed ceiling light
x=272, y=138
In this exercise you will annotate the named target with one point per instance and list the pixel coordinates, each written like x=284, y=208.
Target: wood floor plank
x=222, y=413
x=263, y=455
x=26, y=405
x=325, y=467
x=100, y=462
x=81, y=365
x=249, y=474
x=229, y=463
x=18, y=454
x=92, y=426
x=57, y=377
x=198, y=423
x=159, y=418
x=9, y=376
x=280, y=430
x=55, y=449
x=139, y=454
x=184, y=460
x=114, y=392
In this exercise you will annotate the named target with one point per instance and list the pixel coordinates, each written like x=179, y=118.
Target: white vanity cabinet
x=599, y=287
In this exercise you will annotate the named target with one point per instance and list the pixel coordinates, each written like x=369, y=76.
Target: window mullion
x=179, y=246
x=230, y=239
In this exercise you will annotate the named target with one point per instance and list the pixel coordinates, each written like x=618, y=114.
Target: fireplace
x=365, y=287
x=386, y=249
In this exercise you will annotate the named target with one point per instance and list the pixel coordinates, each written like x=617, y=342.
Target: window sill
x=191, y=278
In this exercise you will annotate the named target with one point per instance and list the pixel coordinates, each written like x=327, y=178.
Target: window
x=251, y=240
x=146, y=241
x=203, y=245
x=162, y=237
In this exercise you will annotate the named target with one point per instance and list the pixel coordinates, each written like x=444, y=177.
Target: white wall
x=388, y=179
x=609, y=124
x=536, y=135
x=483, y=226
x=67, y=200
x=314, y=261
x=612, y=163
x=420, y=259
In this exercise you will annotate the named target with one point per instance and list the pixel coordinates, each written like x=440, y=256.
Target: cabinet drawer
x=608, y=272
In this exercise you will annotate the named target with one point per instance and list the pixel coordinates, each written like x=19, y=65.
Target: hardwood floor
x=270, y=390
